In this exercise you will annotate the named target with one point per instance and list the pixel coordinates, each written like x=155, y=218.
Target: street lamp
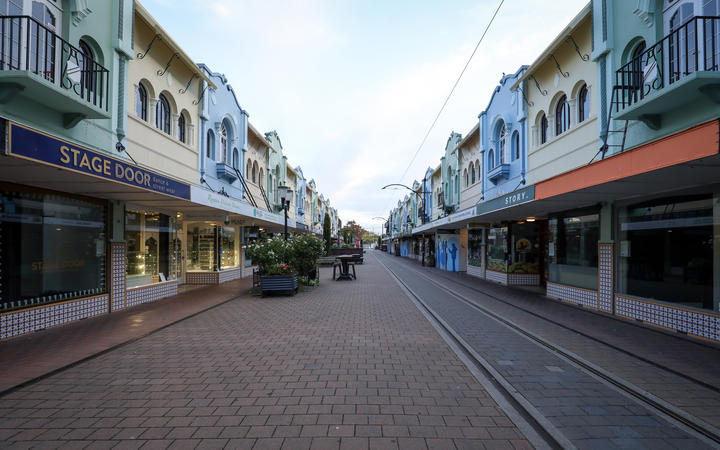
x=285, y=194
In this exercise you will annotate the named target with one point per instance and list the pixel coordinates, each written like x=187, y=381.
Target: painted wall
x=470, y=162
x=506, y=107
x=149, y=145
x=447, y=252
x=577, y=146
x=451, y=172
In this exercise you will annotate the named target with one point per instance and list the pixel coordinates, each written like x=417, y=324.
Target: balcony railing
x=693, y=47
x=28, y=45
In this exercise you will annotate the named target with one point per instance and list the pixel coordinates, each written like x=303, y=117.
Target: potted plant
x=304, y=251
x=271, y=257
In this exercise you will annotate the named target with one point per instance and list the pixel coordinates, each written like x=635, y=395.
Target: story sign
x=33, y=145
x=506, y=201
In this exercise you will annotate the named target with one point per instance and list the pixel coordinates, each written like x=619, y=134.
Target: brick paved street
x=347, y=365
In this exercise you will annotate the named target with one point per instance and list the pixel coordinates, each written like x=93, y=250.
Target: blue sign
x=505, y=201
x=36, y=146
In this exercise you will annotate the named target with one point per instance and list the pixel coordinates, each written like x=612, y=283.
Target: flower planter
x=279, y=283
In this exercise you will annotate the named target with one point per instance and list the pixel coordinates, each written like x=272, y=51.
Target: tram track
x=677, y=417
x=674, y=372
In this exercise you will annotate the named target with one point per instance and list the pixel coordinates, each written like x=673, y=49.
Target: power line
x=451, y=91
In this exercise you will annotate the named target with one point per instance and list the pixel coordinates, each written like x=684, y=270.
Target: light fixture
x=530, y=219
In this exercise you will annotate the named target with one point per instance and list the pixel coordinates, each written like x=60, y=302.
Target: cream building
x=291, y=182
x=436, y=184
x=256, y=161
x=162, y=100
x=562, y=103
x=470, y=163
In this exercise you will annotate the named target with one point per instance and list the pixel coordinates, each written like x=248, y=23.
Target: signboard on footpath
x=26, y=143
x=206, y=197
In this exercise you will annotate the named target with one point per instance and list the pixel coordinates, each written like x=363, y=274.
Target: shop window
x=52, y=248
x=151, y=240
x=573, y=250
x=229, y=247
x=475, y=248
x=497, y=249
x=212, y=247
x=666, y=251
x=524, y=248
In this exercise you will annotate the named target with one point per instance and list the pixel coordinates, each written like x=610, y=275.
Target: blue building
x=223, y=131
x=301, y=199
x=503, y=139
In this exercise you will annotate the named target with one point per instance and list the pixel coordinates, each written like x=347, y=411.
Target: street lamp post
x=285, y=194
x=424, y=218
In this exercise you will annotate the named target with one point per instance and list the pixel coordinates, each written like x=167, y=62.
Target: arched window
x=254, y=173
x=223, y=143
x=236, y=159
x=583, y=104
x=86, y=61
x=162, y=117
x=248, y=171
x=141, y=103
x=210, y=145
x=639, y=61
x=682, y=44
x=543, y=129
x=261, y=174
x=491, y=159
x=477, y=167
x=181, y=129
x=467, y=180
x=472, y=173
x=562, y=116
x=516, y=145
x=502, y=138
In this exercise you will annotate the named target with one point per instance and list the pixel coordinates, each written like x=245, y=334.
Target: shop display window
x=475, y=248
x=230, y=247
x=152, y=247
x=52, y=248
x=666, y=250
x=573, y=250
x=201, y=243
x=497, y=249
x=524, y=248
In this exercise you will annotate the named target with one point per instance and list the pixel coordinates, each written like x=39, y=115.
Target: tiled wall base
x=498, y=277
x=217, y=277
x=229, y=275
x=476, y=271
x=144, y=294
x=118, y=283
x=16, y=323
x=694, y=323
x=523, y=279
x=606, y=283
x=578, y=296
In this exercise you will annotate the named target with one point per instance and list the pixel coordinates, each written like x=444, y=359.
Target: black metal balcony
x=38, y=64
x=682, y=67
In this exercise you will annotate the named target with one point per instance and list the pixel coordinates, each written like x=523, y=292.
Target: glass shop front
x=573, y=249
x=212, y=247
x=153, y=247
x=52, y=247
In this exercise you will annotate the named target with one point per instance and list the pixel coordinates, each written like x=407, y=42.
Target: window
x=467, y=179
x=151, y=250
x=502, y=138
x=210, y=145
x=682, y=44
x=516, y=145
x=52, y=248
x=477, y=167
x=261, y=174
x=162, y=118
x=573, y=249
x=87, y=70
x=223, y=143
x=711, y=31
x=583, y=104
x=141, y=103
x=637, y=79
x=181, y=129
x=491, y=159
x=472, y=173
x=562, y=116
x=543, y=129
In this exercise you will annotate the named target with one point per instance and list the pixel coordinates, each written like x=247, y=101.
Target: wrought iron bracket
x=199, y=99
x=529, y=103
x=564, y=74
x=544, y=92
x=583, y=56
x=157, y=37
x=187, y=86
x=167, y=66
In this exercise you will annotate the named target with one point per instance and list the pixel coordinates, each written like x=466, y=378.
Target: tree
x=327, y=237
x=355, y=229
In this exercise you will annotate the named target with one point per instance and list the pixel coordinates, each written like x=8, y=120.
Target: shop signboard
x=33, y=145
x=206, y=197
x=514, y=198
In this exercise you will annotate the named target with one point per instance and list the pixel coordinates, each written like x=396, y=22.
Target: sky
x=352, y=86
